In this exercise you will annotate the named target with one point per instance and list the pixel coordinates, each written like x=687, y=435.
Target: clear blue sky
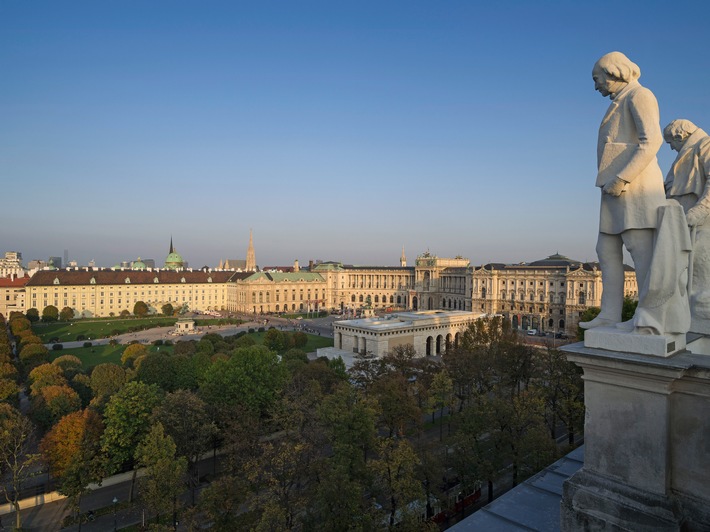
x=336, y=130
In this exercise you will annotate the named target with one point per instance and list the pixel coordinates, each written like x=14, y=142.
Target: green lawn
x=103, y=328
x=68, y=331
x=100, y=354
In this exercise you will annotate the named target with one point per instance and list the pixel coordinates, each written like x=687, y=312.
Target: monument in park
x=647, y=380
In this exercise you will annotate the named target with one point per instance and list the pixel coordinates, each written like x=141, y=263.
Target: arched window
x=360, y=298
x=377, y=299
x=399, y=300
x=353, y=298
x=391, y=299
x=582, y=298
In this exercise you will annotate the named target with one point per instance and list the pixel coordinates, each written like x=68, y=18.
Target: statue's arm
x=644, y=111
x=699, y=212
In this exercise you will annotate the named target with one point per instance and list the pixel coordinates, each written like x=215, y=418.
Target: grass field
x=100, y=354
x=68, y=331
x=93, y=329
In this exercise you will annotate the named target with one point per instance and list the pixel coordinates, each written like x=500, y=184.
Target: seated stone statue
x=688, y=182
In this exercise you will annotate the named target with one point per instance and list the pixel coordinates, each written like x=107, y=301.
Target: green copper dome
x=138, y=264
x=174, y=260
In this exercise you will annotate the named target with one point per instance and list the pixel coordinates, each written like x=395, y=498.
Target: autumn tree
x=45, y=375
x=66, y=314
x=70, y=365
x=17, y=441
x=65, y=442
x=133, y=352
x=33, y=355
x=251, y=377
x=395, y=478
x=167, y=309
x=20, y=324
x=563, y=391
x=127, y=418
x=399, y=413
x=441, y=394
x=106, y=380
x=140, y=309
x=273, y=340
x=32, y=314
x=50, y=314
x=53, y=402
x=165, y=472
x=184, y=417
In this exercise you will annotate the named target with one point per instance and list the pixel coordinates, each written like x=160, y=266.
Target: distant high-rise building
x=11, y=264
x=36, y=264
x=56, y=262
x=149, y=263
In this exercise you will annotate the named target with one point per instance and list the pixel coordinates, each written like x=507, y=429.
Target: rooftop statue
x=687, y=182
x=630, y=179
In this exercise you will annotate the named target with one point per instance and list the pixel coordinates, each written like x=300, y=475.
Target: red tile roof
x=17, y=282
x=113, y=277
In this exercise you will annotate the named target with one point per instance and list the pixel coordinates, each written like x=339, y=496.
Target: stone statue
x=688, y=182
x=630, y=179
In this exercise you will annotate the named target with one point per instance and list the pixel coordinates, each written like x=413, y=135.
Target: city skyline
x=335, y=132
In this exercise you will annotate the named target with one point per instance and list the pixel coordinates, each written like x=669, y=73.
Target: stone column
x=647, y=443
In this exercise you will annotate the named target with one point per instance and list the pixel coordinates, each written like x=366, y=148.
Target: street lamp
x=115, y=501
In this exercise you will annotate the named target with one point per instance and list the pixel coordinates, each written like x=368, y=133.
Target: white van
x=532, y=332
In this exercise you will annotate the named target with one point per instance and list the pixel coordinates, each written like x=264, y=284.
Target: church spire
x=172, y=250
x=403, y=259
x=251, y=257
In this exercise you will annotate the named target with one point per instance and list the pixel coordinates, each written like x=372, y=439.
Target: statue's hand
x=696, y=216
x=614, y=187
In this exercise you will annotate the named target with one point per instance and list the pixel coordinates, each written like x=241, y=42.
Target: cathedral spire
x=172, y=250
x=403, y=259
x=251, y=257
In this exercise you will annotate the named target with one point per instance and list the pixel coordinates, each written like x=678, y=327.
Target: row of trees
x=305, y=443
x=51, y=314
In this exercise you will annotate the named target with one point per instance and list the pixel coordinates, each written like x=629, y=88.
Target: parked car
x=562, y=336
x=532, y=332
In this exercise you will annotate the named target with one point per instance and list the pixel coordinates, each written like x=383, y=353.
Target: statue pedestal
x=647, y=428
x=614, y=339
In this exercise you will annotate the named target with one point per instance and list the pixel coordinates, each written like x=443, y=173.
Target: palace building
x=548, y=295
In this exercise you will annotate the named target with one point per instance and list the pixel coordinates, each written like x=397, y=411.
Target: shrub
x=157, y=342
x=168, y=342
x=57, y=347
x=87, y=344
x=261, y=329
x=80, y=337
x=251, y=330
x=113, y=341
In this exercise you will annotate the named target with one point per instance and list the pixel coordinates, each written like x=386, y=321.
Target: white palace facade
x=547, y=295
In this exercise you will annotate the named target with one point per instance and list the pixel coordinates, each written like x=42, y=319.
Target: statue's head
x=613, y=72
x=677, y=132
